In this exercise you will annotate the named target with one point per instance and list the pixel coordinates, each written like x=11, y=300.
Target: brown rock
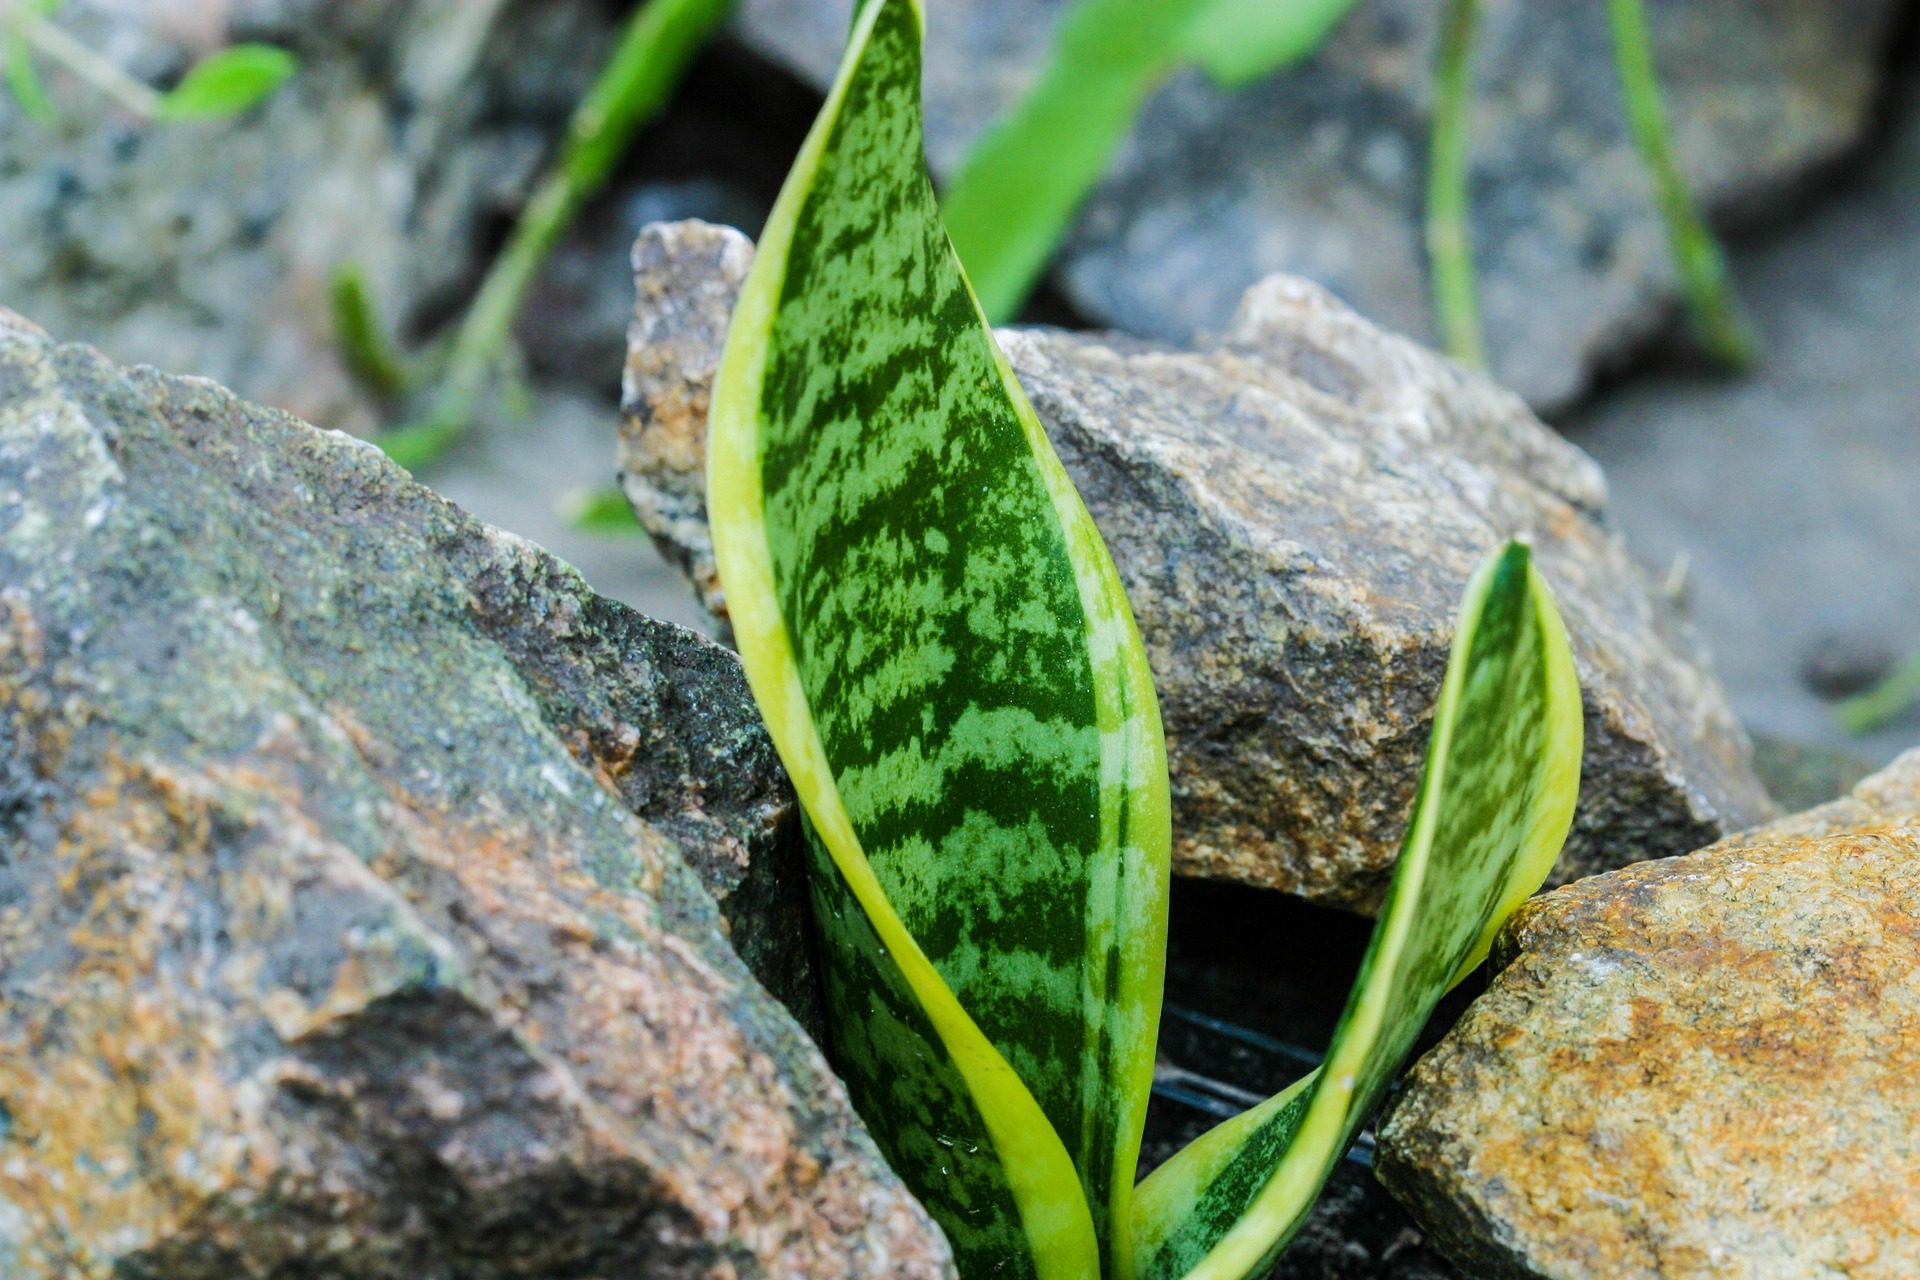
x=347, y=926
x=1294, y=511
x=1703, y=1066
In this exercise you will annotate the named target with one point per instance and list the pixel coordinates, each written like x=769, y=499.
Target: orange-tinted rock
x=347, y=925
x=1703, y=1066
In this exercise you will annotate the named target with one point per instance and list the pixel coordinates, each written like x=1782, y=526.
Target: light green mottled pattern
x=1494, y=805
x=895, y=1067
x=969, y=676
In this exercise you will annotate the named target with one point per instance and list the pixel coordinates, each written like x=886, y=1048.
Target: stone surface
x=1320, y=170
x=1702, y=1066
x=347, y=926
x=530, y=476
x=686, y=276
x=1813, y=564
x=408, y=132
x=1294, y=512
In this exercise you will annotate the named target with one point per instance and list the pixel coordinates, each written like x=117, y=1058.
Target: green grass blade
x=1495, y=802
x=23, y=79
x=1020, y=185
x=658, y=42
x=1238, y=41
x=1703, y=267
x=1022, y=182
x=225, y=83
x=362, y=340
x=1885, y=702
x=1456, y=303
x=946, y=662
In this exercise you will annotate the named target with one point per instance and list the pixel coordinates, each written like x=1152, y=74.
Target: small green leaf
x=362, y=340
x=22, y=77
x=415, y=445
x=1238, y=41
x=1885, y=702
x=602, y=511
x=946, y=662
x=228, y=82
x=1495, y=802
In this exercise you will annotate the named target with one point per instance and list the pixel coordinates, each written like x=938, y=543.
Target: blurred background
x=349, y=234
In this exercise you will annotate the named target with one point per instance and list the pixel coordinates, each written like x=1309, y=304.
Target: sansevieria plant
x=947, y=664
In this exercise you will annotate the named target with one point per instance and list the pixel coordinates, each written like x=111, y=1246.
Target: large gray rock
x=1703, y=1066
x=347, y=925
x=1320, y=170
x=208, y=247
x=1294, y=511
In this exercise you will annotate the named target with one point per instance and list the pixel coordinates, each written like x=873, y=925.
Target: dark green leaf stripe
x=896, y=1067
x=1495, y=802
x=947, y=664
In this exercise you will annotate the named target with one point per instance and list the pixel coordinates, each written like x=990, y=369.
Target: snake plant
x=947, y=663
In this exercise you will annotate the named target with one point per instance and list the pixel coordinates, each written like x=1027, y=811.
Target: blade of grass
x=48, y=39
x=22, y=77
x=1456, y=305
x=362, y=340
x=654, y=49
x=1702, y=265
x=1883, y=703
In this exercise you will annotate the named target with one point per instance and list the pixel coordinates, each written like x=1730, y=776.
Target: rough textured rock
x=1294, y=512
x=1319, y=170
x=1703, y=1066
x=686, y=276
x=208, y=247
x=344, y=924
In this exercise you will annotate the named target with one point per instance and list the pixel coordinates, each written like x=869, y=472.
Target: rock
x=345, y=927
x=209, y=247
x=686, y=276
x=1320, y=170
x=1703, y=1066
x=1294, y=511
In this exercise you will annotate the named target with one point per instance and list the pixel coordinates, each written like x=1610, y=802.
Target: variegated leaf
x=945, y=660
x=1495, y=802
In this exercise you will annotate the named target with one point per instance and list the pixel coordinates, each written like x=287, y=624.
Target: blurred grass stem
x=658, y=42
x=1456, y=304
x=1877, y=706
x=1702, y=265
x=50, y=40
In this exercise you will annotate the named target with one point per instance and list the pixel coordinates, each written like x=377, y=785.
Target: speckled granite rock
x=1319, y=170
x=1294, y=512
x=208, y=247
x=1703, y=1066
x=344, y=923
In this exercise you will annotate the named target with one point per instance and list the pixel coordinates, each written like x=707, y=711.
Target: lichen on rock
x=349, y=919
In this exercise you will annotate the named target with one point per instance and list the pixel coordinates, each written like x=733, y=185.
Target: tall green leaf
x=1023, y=181
x=1495, y=801
x=948, y=667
